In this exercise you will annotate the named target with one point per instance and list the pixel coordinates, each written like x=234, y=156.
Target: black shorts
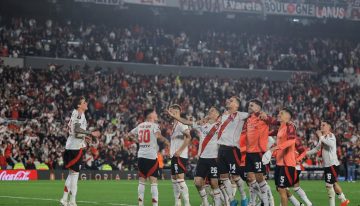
x=178, y=165
x=253, y=162
x=206, y=167
x=148, y=167
x=285, y=176
x=229, y=160
x=243, y=173
x=298, y=176
x=73, y=159
x=331, y=173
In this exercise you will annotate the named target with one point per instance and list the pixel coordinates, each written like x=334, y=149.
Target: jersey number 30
x=144, y=136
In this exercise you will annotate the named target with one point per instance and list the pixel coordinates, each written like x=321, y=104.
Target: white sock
x=270, y=196
x=254, y=189
x=234, y=187
x=176, y=191
x=141, y=191
x=73, y=186
x=184, y=190
x=67, y=187
x=331, y=194
x=264, y=191
x=154, y=194
x=342, y=197
x=224, y=196
x=302, y=195
x=217, y=197
x=203, y=196
x=294, y=201
x=240, y=185
x=228, y=188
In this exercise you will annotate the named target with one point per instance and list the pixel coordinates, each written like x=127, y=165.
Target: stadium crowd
x=35, y=106
x=156, y=45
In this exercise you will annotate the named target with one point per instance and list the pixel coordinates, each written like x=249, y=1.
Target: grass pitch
x=124, y=192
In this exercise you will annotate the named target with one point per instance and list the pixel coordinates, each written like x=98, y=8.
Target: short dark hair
x=217, y=109
x=148, y=111
x=257, y=101
x=175, y=106
x=77, y=101
x=289, y=111
x=327, y=121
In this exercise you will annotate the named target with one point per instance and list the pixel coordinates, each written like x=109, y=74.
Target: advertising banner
x=267, y=7
x=18, y=175
x=291, y=9
x=333, y=12
x=201, y=5
x=26, y=175
x=242, y=6
x=101, y=175
x=305, y=10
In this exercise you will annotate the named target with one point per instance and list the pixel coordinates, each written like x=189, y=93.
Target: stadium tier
x=247, y=98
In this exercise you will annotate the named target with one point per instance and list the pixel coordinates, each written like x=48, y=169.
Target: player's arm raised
x=78, y=131
x=185, y=121
x=187, y=139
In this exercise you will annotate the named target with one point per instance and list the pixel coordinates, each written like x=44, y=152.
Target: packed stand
x=21, y=37
x=35, y=106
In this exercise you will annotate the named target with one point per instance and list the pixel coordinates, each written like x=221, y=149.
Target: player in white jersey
x=180, y=140
x=327, y=146
x=229, y=155
x=147, y=134
x=207, y=164
x=74, y=149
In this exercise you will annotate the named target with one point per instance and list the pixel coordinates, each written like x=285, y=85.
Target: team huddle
x=234, y=151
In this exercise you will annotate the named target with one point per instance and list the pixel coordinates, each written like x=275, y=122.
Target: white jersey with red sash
x=230, y=129
x=208, y=139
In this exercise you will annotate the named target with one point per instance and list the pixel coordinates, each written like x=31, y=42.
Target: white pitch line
x=46, y=199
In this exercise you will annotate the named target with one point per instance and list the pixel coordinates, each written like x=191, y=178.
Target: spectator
x=40, y=131
x=154, y=45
